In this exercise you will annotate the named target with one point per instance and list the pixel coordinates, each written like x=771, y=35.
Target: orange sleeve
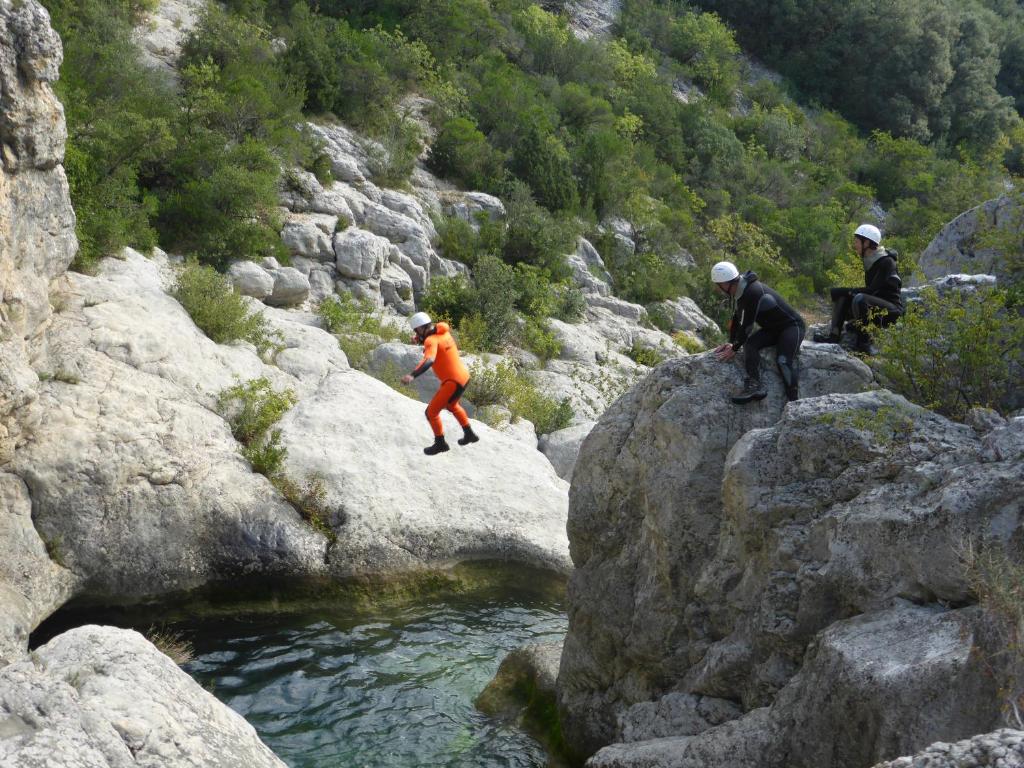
x=429, y=349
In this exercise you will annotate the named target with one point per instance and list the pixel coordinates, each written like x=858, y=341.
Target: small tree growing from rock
x=953, y=352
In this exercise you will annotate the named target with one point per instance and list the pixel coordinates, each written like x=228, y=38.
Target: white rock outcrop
x=106, y=698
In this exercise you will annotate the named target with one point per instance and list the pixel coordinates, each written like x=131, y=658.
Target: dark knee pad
x=789, y=369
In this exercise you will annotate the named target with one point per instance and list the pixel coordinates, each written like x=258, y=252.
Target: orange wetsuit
x=441, y=354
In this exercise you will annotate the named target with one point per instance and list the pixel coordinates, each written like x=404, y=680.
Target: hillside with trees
x=665, y=124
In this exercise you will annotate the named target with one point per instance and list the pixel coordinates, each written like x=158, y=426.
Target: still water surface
x=334, y=689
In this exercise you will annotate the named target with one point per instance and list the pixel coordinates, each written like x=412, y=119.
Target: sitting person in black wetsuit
x=878, y=303
x=778, y=325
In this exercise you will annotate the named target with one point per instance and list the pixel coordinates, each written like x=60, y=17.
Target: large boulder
x=360, y=255
x=714, y=544
x=975, y=242
x=645, y=515
x=135, y=480
x=250, y=279
x=494, y=499
x=107, y=698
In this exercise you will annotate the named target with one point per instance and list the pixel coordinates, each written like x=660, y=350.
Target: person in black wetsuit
x=878, y=303
x=778, y=323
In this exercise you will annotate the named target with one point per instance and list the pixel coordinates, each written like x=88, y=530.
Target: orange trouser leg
x=447, y=396
x=437, y=404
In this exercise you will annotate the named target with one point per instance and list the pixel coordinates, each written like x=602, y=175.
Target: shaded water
x=335, y=683
x=332, y=690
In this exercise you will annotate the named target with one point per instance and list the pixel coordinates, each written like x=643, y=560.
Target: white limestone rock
x=685, y=315
x=563, y=447
x=472, y=206
x=250, y=279
x=291, y=287
x=491, y=499
x=588, y=269
x=360, y=255
x=105, y=697
x=309, y=235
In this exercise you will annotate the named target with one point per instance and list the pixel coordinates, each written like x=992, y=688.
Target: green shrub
x=218, y=310
x=310, y=501
x=393, y=159
x=954, y=352
x=342, y=314
x=688, y=342
x=502, y=384
x=254, y=407
x=540, y=340
x=644, y=355
x=450, y=298
x=461, y=153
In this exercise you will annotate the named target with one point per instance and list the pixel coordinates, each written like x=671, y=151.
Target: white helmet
x=420, y=318
x=724, y=272
x=869, y=232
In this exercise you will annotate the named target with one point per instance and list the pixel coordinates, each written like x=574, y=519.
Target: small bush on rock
x=310, y=501
x=253, y=407
x=502, y=384
x=218, y=310
x=954, y=352
x=644, y=355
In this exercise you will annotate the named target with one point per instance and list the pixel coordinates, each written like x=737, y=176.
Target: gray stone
x=588, y=268
x=105, y=697
x=650, y=473
x=961, y=245
x=685, y=315
x=396, y=288
x=309, y=235
x=946, y=283
x=999, y=749
x=563, y=447
x=471, y=206
x=290, y=287
x=886, y=684
x=250, y=279
x=360, y=255
x=160, y=34
x=675, y=714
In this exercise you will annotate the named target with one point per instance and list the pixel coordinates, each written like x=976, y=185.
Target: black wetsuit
x=879, y=301
x=778, y=325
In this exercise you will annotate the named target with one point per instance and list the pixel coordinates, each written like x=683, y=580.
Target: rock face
x=975, y=242
x=37, y=242
x=1000, y=749
x=136, y=481
x=104, y=697
x=796, y=561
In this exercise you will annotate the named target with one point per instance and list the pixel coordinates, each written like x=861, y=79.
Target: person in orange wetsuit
x=442, y=355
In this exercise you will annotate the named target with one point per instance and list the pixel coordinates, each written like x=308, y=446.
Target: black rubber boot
x=753, y=389
x=864, y=345
x=826, y=338
x=792, y=393
x=440, y=446
x=468, y=436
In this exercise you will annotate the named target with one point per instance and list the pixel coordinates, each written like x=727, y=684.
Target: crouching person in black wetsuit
x=778, y=323
x=878, y=303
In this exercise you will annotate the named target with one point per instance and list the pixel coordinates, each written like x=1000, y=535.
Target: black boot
x=753, y=389
x=440, y=446
x=468, y=436
x=864, y=345
x=826, y=338
x=792, y=393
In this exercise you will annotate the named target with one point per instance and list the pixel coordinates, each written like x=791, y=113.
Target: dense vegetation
x=567, y=132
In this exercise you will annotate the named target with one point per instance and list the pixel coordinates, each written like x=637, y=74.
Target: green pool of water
x=330, y=689
x=361, y=676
